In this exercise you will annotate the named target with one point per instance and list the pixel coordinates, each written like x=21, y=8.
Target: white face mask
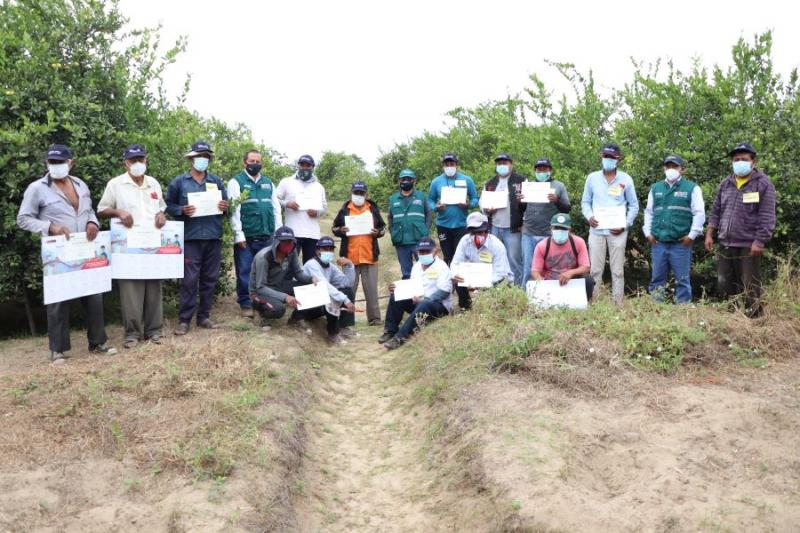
x=672, y=175
x=449, y=171
x=138, y=169
x=59, y=171
x=358, y=201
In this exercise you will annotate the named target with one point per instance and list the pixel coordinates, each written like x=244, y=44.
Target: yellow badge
x=432, y=274
x=614, y=190
x=211, y=187
x=485, y=257
x=750, y=197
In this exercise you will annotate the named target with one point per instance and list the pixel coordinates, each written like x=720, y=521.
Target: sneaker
x=103, y=349
x=301, y=324
x=385, y=337
x=246, y=312
x=182, y=329
x=130, y=343
x=206, y=323
x=57, y=358
x=336, y=340
x=266, y=324
x=348, y=333
x=375, y=322
x=393, y=343
x=155, y=339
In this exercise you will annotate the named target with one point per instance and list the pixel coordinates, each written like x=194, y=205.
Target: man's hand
x=458, y=279
x=161, y=219
x=375, y=232
x=652, y=239
x=350, y=307
x=491, y=212
x=58, y=229
x=709, y=242
x=564, y=278
x=391, y=287
x=91, y=231
x=440, y=206
x=552, y=197
x=687, y=241
x=125, y=218
x=416, y=299
x=593, y=222
x=520, y=197
x=188, y=210
x=342, y=261
x=617, y=231
x=242, y=245
x=291, y=301
x=344, y=229
x=756, y=249
x=314, y=280
x=222, y=205
x=463, y=205
x=293, y=205
x=313, y=213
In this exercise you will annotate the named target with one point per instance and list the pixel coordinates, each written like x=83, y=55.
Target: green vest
x=672, y=210
x=258, y=218
x=408, y=218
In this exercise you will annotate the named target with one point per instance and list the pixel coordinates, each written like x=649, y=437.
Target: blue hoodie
x=453, y=216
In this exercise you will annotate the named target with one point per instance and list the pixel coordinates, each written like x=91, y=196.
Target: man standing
x=451, y=218
x=409, y=220
x=609, y=187
x=673, y=219
x=303, y=196
x=537, y=217
x=202, y=237
x=362, y=250
x=744, y=215
x=506, y=222
x=562, y=255
x=60, y=204
x=253, y=222
x=136, y=199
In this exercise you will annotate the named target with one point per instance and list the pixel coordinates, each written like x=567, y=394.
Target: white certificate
x=78, y=247
x=536, y=192
x=494, y=199
x=309, y=296
x=308, y=199
x=549, y=293
x=476, y=275
x=67, y=270
x=405, y=289
x=453, y=195
x=205, y=203
x=611, y=217
x=143, y=236
x=359, y=224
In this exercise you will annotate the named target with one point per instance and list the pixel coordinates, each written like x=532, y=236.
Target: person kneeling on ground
x=435, y=303
x=340, y=288
x=275, y=272
x=562, y=256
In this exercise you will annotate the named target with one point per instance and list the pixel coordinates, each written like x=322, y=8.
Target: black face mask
x=305, y=173
x=406, y=185
x=253, y=169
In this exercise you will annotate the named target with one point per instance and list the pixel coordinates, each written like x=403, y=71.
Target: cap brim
x=57, y=158
x=560, y=226
x=192, y=153
x=482, y=227
x=741, y=151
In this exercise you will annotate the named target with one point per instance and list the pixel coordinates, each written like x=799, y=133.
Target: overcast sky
x=358, y=76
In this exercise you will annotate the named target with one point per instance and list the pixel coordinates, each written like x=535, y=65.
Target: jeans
x=513, y=243
x=675, y=257
x=615, y=244
x=242, y=261
x=406, y=255
x=396, y=310
x=529, y=243
x=202, y=260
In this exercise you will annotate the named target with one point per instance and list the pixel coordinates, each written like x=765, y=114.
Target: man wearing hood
x=303, y=198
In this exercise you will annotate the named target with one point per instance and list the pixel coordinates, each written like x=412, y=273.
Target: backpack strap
x=571, y=243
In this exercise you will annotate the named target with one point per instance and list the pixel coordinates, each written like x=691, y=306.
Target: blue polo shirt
x=453, y=216
x=199, y=228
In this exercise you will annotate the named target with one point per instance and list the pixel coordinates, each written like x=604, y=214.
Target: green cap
x=561, y=220
x=407, y=173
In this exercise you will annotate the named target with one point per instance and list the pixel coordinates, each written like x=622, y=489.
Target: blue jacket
x=200, y=228
x=453, y=216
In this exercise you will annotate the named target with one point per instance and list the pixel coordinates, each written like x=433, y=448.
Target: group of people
x=274, y=226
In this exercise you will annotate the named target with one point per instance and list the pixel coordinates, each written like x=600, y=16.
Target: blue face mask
x=542, y=176
x=609, y=164
x=426, y=260
x=502, y=170
x=200, y=164
x=742, y=168
x=560, y=236
x=326, y=257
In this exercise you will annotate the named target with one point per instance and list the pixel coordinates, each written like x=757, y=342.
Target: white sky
x=357, y=76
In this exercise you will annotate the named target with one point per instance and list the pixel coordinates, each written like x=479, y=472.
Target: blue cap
x=503, y=156
x=200, y=147
x=742, y=148
x=358, y=186
x=407, y=173
x=426, y=243
x=306, y=159
x=543, y=162
x=325, y=242
x=58, y=152
x=284, y=233
x=675, y=159
x=134, y=150
x=612, y=149
x=449, y=156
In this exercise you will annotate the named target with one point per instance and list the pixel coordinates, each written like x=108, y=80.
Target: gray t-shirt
x=536, y=220
x=502, y=217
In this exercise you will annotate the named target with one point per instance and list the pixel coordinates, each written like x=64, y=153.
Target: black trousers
x=448, y=242
x=58, y=322
x=308, y=247
x=334, y=323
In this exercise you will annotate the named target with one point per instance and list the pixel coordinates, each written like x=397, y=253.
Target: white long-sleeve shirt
x=336, y=278
x=234, y=193
x=435, y=278
x=698, y=213
x=492, y=250
x=288, y=190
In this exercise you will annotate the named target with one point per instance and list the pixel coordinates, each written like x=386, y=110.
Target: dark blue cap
x=134, y=150
x=200, y=147
x=284, y=233
x=325, y=242
x=58, y=152
x=449, y=156
x=612, y=149
x=743, y=147
x=358, y=186
x=543, y=162
x=426, y=243
x=503, y=156
x=676, y=160
x=306, y=159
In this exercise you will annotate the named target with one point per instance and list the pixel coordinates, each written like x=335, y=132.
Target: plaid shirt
x=743, y=220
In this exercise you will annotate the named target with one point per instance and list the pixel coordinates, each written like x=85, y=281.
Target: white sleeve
x=698, y=212
x=445, y=279
x=648, y=215
x=234, y=193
